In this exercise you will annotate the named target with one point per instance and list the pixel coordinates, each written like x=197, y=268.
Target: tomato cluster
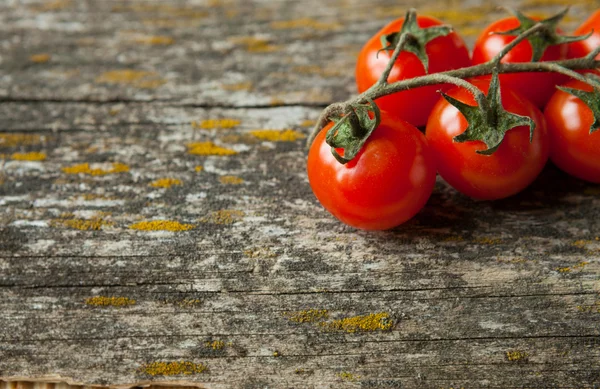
x=393, y=174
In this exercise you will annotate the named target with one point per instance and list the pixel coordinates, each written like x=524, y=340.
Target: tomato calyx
x=591, y=99
x=546, y=36
x=351, y=131
x=416, y=37
x=489, y=122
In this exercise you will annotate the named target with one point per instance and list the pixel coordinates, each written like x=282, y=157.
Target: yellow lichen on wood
x=32, y=156
x=188, y=303
x=14, y=140
x=567, y=269
x=215, y=344
x=304, y=23
x=231, y=180
x=278, y=135
x=137, y=78
x=516, y=355
x=198, y=168
x=223, y=216
x=581, y=265
x=154, y=40
x=40, y=58
x=487, y=240
x=372, y=322
x=84, y=168
x=308, y=316
x=208, y=148
x=210, y=124
x=255, y=45
x=161, y=225
x=453, y=238
x=174, y=368
x=51, y=5
x=347, y=376
x=165, y=182
x=237, y=86
x=124, y=76
x=94, y=224
x=513, y=260
x=104, y=301
x=594, y=308
x=276, y=101
x=91, y=197
x=581, y=243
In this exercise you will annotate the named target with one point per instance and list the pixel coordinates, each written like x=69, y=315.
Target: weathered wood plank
x=246, y=281
x=231, y=53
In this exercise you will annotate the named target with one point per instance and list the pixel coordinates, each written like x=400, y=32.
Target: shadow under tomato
x=553, y=196
x=550, y=191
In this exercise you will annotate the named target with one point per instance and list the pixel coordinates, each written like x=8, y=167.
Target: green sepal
x=544, y=38
x=591, y=99
x=417, y=39
x=490, y=123
x=352, y=130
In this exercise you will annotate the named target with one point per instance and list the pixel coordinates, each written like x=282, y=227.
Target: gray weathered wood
x=474, y=294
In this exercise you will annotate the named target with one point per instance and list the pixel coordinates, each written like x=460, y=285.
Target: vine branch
x=451, y=76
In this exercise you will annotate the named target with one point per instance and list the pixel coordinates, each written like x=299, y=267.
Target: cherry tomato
x=510, y=169
x=386, y=184
x=572, y=148
x=582, y=48
x=444, y=53
x=537, y=87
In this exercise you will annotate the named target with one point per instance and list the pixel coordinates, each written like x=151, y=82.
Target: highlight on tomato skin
x=509, y=170
x=444, y=53
x=572, y=148
x=535, y=86
x=386, y=184
x=584, y=47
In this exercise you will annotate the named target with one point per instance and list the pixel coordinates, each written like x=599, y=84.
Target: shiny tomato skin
x=386, y=184
x=535, y=86
x=572, y=148
x=583, y=48
x=444, y=53
x=510, y=169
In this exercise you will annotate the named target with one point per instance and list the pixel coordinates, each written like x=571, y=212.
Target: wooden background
x=157, y=226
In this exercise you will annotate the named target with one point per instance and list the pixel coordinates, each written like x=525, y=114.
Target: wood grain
x=157, y=226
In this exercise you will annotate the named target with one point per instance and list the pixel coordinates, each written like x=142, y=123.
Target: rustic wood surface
x=157, y=226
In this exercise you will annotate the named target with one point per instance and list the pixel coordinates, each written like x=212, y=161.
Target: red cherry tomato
x=386, y=184
x=537, y=87
x=583, y=48
x=510, y=169
x=572, y=148
x=444, y=53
